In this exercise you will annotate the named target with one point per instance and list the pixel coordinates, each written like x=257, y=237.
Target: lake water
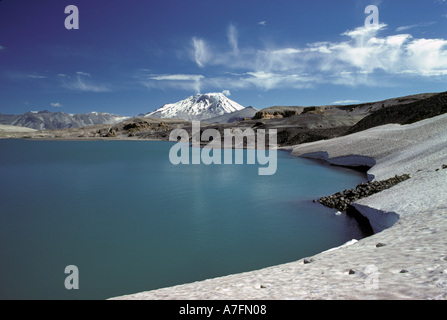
x=131, y=221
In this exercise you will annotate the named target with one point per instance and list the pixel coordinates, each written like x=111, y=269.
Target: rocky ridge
x=407, y=113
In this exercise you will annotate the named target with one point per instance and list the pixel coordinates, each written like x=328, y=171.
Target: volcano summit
x=197, y=108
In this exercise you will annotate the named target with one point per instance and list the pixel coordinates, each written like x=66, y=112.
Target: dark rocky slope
x=404, y=114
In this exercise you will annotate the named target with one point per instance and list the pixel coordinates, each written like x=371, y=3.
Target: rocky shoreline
x=342, y=200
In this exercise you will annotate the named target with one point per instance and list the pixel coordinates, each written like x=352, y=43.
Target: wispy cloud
x=361, y=57
x=179, y=81
x=56, y=104
x=176, y=77
x=358, y=59
x=346, y=102
x=79, y=83
x=232, y=35
x=418, y=25
x=36, y=76
x=25, y=76
x=262, y=23
x=200, y=51
x=268, y=80
x=81, y=73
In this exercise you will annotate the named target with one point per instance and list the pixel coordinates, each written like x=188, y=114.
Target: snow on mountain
x=198, y=107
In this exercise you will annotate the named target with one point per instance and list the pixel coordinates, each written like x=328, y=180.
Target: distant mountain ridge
x=198, y=107
x=219, y=109
x=46, y=120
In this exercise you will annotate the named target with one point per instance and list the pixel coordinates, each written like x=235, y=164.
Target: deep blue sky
x=130, y=57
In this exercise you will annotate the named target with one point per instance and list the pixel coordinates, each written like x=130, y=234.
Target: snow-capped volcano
x=198, y=107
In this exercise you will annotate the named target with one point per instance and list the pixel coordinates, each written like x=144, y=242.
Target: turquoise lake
x=131, y=221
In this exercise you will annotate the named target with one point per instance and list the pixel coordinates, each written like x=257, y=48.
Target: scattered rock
x=306, y=261
x=403, y=271
x=380, y=245
x=444, y=166
x=351, y=271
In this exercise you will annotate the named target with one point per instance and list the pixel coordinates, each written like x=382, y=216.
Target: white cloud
x=88, y=87
x=201, y=54
x=362, y=34
x=346, y=102
x=35, y=76
x=286, y=51
x=422, y=24
x=80, y=84
x=56, y=104
x=262, y=23
x=366, y=52
x=428, y=57
x=268, y=81
x=227, y=93
x=81, y=73
x=232, y=35
x=25, y=76
x=362, y=56
x=394, y=54
x=176, y=77
x=187, y=82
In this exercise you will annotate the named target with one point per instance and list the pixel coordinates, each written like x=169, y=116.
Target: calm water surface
x=131, y=221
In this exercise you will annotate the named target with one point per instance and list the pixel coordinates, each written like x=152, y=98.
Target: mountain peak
x=198, y=107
